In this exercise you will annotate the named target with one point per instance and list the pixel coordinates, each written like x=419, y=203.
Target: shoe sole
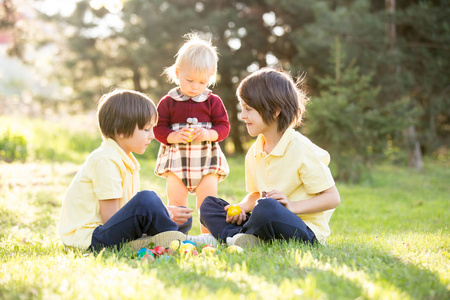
x=247, y=241
x=162, y=239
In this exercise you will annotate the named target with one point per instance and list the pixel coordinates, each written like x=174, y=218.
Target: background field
x=390, y=239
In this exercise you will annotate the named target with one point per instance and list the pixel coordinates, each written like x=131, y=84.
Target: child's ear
x=120, y=135
x=277, y=113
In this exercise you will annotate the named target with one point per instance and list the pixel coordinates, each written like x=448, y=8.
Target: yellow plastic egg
x=235, y=249
x=186, y=247
x=174, y=245
x=209, y=250
x=234, y=210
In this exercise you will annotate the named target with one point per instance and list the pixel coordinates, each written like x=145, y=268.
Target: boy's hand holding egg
x=234, y=210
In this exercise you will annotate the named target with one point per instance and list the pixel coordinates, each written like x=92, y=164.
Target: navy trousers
x=269, y=220
x=144, y=213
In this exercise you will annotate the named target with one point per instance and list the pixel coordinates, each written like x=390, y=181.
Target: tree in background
x=9, y=21
x=130, y=46
x=348, y=120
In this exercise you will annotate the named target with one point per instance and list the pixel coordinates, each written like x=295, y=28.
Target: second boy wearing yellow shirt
x=292, y=194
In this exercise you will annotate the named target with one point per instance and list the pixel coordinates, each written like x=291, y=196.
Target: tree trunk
x=231, y=106
x=414, y=151
x=137, y=80
x=412, y=144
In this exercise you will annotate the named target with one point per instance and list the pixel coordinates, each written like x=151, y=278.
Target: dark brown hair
x=275, y=96
x=121, y=110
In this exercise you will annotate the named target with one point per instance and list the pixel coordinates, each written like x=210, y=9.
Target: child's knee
x=148, y=199
x=265, y=208
x=212, y=203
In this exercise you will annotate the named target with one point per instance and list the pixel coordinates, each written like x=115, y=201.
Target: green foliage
x=46, y=141
x=55, y=143
x=348, y=120
x=13, y=146
x=409, y=66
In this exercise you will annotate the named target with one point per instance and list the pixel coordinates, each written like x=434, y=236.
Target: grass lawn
x=390, y=240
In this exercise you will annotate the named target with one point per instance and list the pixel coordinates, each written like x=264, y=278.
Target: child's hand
x=181, y=136
x=179, y=214
x=203, y=134
x=236, y=219
x=280, y=197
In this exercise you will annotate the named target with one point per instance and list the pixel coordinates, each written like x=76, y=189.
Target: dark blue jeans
x=269, y=220
x=144, y=213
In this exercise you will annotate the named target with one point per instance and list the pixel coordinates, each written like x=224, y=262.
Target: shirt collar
x=279, y=149
x=177, y=95
x=129, y=160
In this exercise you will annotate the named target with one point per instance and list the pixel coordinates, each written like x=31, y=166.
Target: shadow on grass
x=339, y=272
x=387, y=270
x=354, y=270
x=334, y=272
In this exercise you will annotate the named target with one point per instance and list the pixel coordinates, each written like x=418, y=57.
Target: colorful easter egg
x=234, y=210
x=235, y=249
x=190, y=242
x=184, y=247
x=144, y=251
x=209, y=250
x=174, y=245
x=158, y=250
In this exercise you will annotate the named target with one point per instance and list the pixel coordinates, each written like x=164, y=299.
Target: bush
x=13, y=146
x=348, y=121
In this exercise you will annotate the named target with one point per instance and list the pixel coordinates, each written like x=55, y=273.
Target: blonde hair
x=198, y=53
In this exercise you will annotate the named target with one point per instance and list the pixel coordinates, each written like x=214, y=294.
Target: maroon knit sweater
x=171, y=111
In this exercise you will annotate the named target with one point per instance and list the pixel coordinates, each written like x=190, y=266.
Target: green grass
x=390, y=240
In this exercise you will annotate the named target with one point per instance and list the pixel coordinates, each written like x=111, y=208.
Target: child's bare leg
x=206, y=187
x=177, y=192
x=177, y=195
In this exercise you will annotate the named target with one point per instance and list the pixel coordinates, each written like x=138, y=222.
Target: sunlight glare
x=53, y=7
x=253, y=67
x=269, y=18
x=234, y=43
x=271, y=59
x=113, y=6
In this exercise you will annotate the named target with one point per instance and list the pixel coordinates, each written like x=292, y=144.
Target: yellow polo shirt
x=108, y=173
x=297, y=168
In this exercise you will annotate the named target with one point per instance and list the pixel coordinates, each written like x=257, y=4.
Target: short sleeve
x=314, y=171
x=107, y=180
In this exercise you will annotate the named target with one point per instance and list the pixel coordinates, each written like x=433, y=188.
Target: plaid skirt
x=191, y=161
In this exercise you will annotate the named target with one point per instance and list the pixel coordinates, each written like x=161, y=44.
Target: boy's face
x=138, y=141
x=254, y=121
x=192, y=83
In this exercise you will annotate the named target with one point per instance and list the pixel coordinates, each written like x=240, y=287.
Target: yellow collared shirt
x=108, y=173
x=296, y=167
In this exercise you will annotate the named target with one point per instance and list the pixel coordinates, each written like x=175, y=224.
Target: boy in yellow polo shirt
x=104, y=206
x=292, y=193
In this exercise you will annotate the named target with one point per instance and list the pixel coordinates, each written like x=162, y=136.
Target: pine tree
x=348, y=121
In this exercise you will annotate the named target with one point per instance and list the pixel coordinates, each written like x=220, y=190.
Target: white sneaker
x=162, y=239
x=206, y=238
x=243, y=240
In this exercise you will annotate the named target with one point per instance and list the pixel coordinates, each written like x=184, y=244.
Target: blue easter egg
x=190, y=242
x=143, y=251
